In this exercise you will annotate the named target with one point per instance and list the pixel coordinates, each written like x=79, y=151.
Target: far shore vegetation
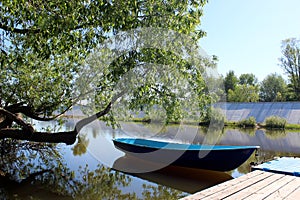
x=271, y=123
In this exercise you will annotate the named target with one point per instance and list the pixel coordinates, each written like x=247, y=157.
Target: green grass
x=247, y=123
x=231, y=124
x=292, y=126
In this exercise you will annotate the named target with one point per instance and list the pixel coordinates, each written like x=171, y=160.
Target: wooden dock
x=254, y=185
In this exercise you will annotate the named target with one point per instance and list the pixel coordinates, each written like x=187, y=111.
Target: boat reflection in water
x=185, y=179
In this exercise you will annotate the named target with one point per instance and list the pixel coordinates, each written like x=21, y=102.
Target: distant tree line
x=274, y=87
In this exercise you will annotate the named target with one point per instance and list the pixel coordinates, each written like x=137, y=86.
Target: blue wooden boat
x=211, y=157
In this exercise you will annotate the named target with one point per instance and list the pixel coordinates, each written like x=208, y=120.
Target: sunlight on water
x=86, y=168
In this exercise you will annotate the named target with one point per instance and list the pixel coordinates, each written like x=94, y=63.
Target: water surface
x=87, y=170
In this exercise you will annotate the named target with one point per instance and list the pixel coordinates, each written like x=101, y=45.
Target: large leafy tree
x=44, y=44
x=243, y=93
x=290, y=62
x=248, y=79
x=273, y=88
x=230, y=81
x=242, y=89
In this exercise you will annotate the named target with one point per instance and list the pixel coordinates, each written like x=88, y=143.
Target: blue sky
x=246, y=35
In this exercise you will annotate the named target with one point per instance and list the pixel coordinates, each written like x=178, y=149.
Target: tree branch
x=4, y=52
x=90, y=119
x=29, y=129
x=67, y=137
x=17, y=30
x=28, y=111
x=60, y=137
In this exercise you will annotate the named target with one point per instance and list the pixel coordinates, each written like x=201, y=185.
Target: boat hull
x=218, y=158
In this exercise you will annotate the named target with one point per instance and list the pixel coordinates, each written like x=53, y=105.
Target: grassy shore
x=228, y=124
x=264, y=126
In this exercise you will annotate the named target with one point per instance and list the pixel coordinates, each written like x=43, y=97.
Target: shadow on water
x=181, y=178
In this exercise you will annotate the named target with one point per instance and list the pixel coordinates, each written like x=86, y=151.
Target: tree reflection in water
x=80, y=147
x=38, y=171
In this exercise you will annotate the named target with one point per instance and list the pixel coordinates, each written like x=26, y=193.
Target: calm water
x=87, y=170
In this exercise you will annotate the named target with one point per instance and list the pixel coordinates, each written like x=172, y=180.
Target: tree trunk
x=60, y=137
x=27, y=132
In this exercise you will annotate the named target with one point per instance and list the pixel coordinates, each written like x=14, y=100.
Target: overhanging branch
x=60, y=137
x=92, y=118
x=29, y=129
x=28, y=110
x=18, y=30
x=67, y=137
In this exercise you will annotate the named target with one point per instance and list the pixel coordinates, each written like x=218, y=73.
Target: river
x=92, y=168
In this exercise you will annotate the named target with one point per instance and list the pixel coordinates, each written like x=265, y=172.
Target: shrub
x=250, y=122
x=215, y=116
x=275, y=122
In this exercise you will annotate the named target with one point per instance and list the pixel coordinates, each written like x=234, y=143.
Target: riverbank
x=228, y=124
x=295, y=127
x=249, y=123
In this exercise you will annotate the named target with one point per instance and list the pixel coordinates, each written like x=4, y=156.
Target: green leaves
x=46, y=44
x=273, y=88
x=242, y=89
x=244, y=93
x=290, y=62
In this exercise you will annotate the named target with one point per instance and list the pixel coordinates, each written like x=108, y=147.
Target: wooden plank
x=255, y=187
x=238, y=187
x=271, y=188
x=223, y=186
x=284, y=191
x=294, y=195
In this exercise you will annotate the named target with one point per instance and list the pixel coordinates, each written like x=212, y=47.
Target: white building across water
x=261, y=110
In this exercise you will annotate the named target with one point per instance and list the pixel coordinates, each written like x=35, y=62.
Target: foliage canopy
x=44, y=46
x=273, y=88
x=290, y=62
